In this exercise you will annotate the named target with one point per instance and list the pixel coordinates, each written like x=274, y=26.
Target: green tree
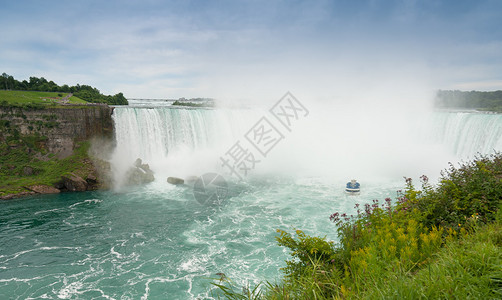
x=85, y=92
x=3, y=81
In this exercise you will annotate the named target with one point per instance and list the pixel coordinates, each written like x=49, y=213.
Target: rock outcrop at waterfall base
x=49, y=150
x=74, y=183
x=139, y=173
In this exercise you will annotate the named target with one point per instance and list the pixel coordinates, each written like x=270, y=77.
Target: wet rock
x=139, y=164
x=139, y=173
x=92, y=182
x=74, y=183
x=175, y=180
x=60, y=185
x=136, y=176
x=17, y=195
x=91, y=178
x=43, y=189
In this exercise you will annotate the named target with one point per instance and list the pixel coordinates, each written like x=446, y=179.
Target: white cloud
x=213, y=52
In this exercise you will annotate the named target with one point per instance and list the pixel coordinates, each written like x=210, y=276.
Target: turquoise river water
x=158, y=242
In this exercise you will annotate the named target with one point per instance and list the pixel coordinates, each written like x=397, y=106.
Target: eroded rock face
x=92, y=182
x=74, y=183
x=63, y=127
x=92, y=179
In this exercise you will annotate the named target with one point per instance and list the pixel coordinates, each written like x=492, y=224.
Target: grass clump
x=436, y=242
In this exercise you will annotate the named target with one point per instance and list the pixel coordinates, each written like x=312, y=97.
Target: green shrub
x=472, y=189
x=438, y=242
x=469, y=268
x=305, y=250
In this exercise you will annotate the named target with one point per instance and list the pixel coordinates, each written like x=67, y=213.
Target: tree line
x=84, y=92
x=491, y=101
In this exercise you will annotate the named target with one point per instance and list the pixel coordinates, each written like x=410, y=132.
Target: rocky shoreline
x=69, y=183
x=97, y=179
x=52, y=150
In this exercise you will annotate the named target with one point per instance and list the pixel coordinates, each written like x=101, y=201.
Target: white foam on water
x=69, y=290
x=47, y=211
x=88, y=201
x=157, y=241
x=20, y=253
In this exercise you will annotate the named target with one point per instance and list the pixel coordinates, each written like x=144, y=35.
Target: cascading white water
x=465, y=133
x=183, y=142
x=175, y=141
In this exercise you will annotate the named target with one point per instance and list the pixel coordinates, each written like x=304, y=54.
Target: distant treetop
x=84, y=92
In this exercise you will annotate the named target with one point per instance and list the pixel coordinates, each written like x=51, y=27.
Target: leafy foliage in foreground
x=471, y=189
x=437, y=242
x=470, y=267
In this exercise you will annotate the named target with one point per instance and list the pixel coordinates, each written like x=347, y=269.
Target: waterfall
x=465, y=134
x=184, y=142
x=176, y=141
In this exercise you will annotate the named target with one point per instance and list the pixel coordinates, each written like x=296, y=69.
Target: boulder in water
x=139, y=173
x=175, y=180
x=43, y=189
x=74, y=183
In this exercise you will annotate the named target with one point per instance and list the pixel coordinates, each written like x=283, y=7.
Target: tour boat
x=353, y=187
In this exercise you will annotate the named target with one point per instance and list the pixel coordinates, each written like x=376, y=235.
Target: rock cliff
x=62, y=126
x=48, y=150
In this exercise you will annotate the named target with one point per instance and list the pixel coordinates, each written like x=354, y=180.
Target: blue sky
x=255, y=49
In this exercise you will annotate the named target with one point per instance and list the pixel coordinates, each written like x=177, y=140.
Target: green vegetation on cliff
x=25, y=162
x=83, y=92
x=40, y=144
x=487, y=101
x=437, y=242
